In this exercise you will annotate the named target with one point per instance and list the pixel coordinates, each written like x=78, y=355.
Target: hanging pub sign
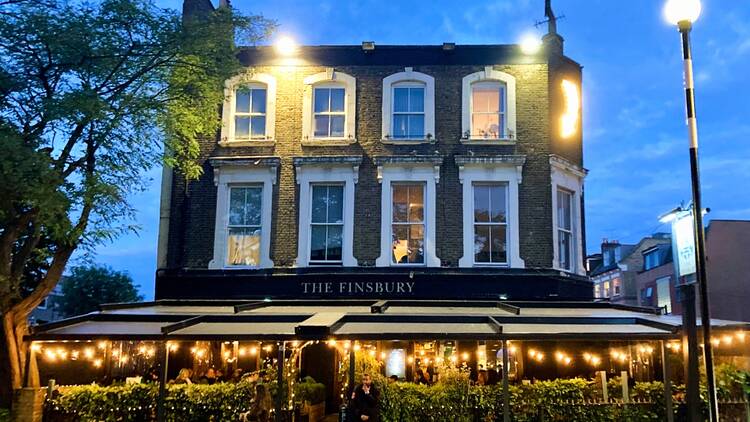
x=683, y=243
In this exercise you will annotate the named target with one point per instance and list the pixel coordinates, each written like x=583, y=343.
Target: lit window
x=250, y=112
x=616, y=285
x=488, y=115
x=605, y=289
x=565, y=229
x=330, y=115
x=244, y=228
x=408, y=223
x=597, y=290
x=490, y=223
x=326, y=224
x=408, y=111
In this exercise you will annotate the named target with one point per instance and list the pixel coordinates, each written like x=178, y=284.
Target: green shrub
x=310, y=391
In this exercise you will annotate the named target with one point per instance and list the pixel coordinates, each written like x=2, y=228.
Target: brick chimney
x=195, y=8
x=553, y=42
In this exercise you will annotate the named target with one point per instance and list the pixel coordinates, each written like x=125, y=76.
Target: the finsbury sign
x=356, y=288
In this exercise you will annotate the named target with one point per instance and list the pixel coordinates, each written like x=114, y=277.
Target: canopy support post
x=163, y=352
x=506, y=393
x=280, y=381
x=351, y=372
x=666, y=371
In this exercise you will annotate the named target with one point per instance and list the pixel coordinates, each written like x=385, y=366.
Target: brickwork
x=193, y=210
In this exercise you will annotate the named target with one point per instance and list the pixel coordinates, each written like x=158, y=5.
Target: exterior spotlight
x=286, y=46
x=530, y=44
x=678, y=11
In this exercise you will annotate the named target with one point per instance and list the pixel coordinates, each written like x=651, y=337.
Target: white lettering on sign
x=359, y=288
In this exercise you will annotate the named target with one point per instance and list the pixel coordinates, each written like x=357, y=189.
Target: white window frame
x=401, y=78
x=565, y=175
x=510, y=174
x=228, y=109
x=329, y=79
x=226, y=177
x=388, y=174
x=328, y=174
x=489, y=74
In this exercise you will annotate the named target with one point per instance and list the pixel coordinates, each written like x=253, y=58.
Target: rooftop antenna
x=551, y=19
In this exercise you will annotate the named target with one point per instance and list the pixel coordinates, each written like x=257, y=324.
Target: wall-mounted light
x=530, y=44
x=572, y=106
x=286, y=46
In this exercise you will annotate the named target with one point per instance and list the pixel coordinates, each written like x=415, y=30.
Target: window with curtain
x=244, y=226
x=488, y=110
x=565, y=229
x=408, y=111
x=490, y=223
x=250, y=112
x=326, y=224
x=329, y=112
x=408, y=223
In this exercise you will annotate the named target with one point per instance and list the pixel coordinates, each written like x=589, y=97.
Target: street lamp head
x=530, y=44
x=679, y=12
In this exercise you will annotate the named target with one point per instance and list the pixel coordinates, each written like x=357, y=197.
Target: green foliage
x=92, y=95
x=89, y=286
x=310, y=391
x=137, y=402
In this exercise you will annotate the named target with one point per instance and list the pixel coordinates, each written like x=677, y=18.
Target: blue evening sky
x=635, y=140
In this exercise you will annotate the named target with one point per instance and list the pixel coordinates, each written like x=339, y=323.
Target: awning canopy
x=368, y=320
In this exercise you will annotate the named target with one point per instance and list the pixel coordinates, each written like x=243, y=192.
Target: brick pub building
x=422, y=202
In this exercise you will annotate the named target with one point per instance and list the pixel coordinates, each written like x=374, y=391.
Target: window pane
x=243, y=246
x=318, y=243
x=321, y=99
x=485, y=125
x=400, y=244
x=253, y=199
x=497, y=205
x=337, y=99
x=334, y=242
x=563, y=210
x=400, y=100
x=259, y=100
x=321, y=126
x=416, y=100
x=416, y=244
x=242, y=101
x=337, y=126
x=336, y=204
x=481, y=244
x=485, y=97
x=400, y=202
x=319, y=204
x=481, y=203
x=416, y=126
x=563, y=247
x=416, y=203
x=499, y=254
x=258, y=126
x=241, y=127
x=400, y=126
x=236, y=207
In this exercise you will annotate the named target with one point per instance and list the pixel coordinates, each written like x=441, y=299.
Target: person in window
x=183, y=377
x=366, y=401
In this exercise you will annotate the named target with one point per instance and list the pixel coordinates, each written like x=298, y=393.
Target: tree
x=87, y=287
x=92, y=95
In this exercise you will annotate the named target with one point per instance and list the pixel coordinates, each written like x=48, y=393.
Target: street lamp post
x=683, y=13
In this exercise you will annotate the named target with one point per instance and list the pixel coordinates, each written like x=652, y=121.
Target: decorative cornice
x=509, y=159
x=489, y=161
x=328, y=162
x=381, y=160
x=560, y=163
x=270, y=162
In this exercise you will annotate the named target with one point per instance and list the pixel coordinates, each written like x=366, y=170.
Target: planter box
x=314, y=412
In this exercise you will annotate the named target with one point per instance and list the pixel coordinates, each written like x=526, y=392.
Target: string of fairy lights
x=116, y=352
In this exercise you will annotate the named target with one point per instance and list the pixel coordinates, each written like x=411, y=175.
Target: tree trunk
x=11, y=344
